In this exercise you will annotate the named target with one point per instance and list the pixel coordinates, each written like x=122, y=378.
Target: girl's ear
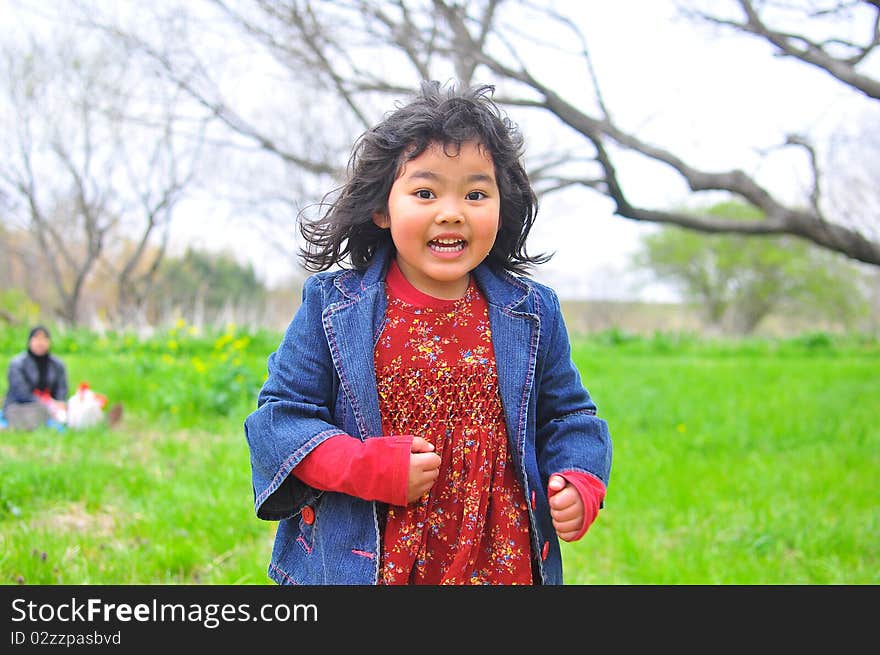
x=381, y=220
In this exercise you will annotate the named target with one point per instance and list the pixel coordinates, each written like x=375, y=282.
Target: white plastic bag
x=85, y=408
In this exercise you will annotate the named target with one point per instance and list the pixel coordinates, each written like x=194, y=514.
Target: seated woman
x=37, y=393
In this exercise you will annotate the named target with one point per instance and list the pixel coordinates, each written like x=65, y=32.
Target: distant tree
x=24, y=294
x=80, y=173
x=16, y=308
x=737, y=282
x=205, y=289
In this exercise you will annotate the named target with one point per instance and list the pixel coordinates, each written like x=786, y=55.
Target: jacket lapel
x=515, y=333
x=351, y=325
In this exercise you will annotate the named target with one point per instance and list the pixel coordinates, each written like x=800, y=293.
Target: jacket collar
x=501, y=288
x=353, y=282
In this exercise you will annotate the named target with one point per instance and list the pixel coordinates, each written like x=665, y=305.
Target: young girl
x=422, y=421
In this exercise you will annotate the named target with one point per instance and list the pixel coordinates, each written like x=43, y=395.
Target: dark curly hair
x=344, y=232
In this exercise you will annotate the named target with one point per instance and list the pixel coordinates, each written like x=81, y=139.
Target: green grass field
x=735, y=462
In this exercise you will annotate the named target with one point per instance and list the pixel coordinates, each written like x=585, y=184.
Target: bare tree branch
x=216, y=107
x=809, y=51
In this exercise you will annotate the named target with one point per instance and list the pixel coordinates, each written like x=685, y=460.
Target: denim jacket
x=321, y=382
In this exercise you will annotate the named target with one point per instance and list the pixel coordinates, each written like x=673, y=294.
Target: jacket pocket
x=306, y=537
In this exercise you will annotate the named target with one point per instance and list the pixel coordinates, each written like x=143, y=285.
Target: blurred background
x=702, y=166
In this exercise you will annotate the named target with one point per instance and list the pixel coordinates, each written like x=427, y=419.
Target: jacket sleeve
x=569, y=434
x=20, y=389
x=293, y=412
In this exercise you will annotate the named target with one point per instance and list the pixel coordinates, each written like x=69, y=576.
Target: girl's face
x=444, y=211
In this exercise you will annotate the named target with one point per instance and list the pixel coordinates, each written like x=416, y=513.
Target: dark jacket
x=23, y=376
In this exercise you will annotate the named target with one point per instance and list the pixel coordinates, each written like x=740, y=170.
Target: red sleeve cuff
x=375, y=469
x=592, y=492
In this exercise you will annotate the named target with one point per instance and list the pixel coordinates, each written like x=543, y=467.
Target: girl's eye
x=475, y=195
x=424, y=194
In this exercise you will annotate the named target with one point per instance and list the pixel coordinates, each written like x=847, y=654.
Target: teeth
x=447, y=244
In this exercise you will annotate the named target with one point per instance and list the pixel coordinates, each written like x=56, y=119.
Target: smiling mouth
x=447, y=245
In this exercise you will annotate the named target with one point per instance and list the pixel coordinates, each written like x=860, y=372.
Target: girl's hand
x=424, y=469
x=566, y=508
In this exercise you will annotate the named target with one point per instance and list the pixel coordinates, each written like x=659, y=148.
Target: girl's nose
x=449, y=214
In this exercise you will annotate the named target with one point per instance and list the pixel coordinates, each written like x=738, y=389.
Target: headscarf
x=42, y=361
x=39, y=328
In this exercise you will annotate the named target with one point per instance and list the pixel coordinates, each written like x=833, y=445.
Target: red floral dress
x=437, y=379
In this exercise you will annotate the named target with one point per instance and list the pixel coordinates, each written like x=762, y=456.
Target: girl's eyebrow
x=474, y=178
x=481, y=177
